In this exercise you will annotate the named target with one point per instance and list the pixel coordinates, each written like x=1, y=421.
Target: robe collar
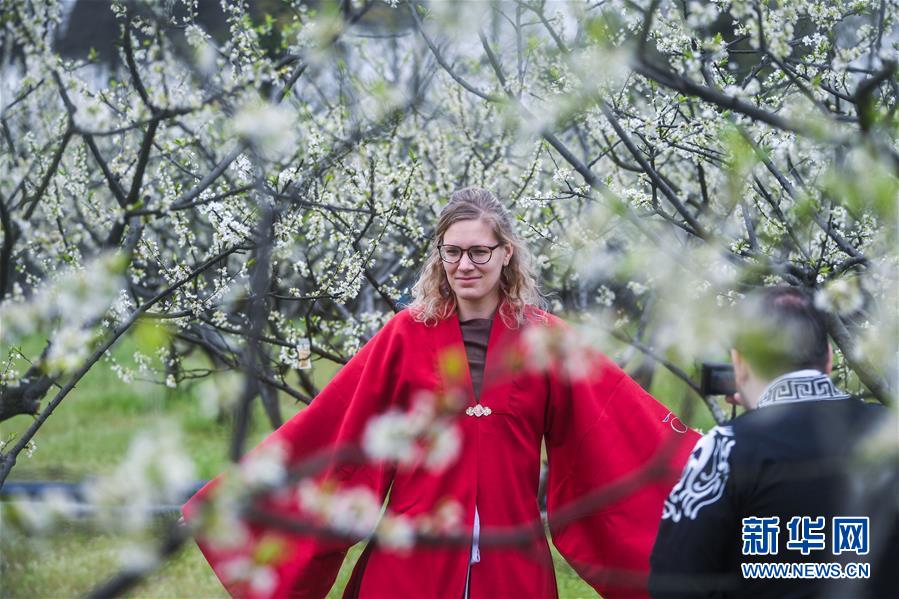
x=799, y=386
x=449, y=337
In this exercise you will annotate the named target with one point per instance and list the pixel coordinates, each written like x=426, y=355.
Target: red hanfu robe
x=599, y=429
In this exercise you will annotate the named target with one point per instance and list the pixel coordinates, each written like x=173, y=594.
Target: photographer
x=766, y=506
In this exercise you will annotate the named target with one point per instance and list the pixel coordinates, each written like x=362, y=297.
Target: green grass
x=89, y=434
x=73, y=560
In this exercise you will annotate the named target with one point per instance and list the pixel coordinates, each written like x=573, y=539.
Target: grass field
x=88, y=434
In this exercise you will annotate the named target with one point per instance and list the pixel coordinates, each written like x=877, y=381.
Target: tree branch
x=867, y=374
x=8, y=460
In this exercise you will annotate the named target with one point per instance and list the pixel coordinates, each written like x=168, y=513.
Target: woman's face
x=470, y=281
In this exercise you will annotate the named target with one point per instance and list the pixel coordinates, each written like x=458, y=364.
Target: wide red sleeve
x=614, y=454
x=307, y=566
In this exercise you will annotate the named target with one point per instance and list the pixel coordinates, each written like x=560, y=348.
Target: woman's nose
x=465, y=262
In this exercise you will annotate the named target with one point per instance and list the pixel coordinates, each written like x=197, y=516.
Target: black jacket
x=801, y=453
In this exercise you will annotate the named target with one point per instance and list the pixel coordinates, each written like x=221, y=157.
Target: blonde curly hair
x=434, y=299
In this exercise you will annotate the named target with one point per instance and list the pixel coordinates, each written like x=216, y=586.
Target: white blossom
x=137, y=557
x=396, y=532
x=269, y=127
x=416, y=435
x=387, y=437
x=443, y=442
x=840, y=296
x=355, y=511
x=155, y=470
x=265, y=466
x=261, y=579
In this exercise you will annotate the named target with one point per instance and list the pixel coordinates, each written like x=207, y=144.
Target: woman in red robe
x=474, y=332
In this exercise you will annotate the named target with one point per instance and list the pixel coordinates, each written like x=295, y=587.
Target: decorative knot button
x=478, y=411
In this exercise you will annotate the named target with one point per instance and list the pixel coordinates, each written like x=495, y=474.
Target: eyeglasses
x=479, y=254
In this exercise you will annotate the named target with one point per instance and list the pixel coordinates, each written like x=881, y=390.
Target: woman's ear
x=509, y=249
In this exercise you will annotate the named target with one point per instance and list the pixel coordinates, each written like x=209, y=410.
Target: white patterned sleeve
x=699, y=522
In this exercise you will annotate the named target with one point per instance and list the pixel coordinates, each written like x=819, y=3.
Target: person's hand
x=734, y=400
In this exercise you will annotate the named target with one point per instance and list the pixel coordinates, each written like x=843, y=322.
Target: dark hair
x=781, y=330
